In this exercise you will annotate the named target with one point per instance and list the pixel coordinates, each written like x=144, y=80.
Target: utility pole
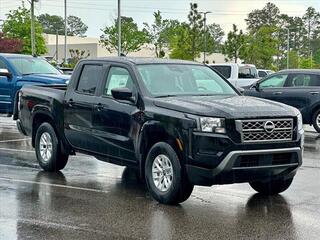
x=65, y=32
x=205, y=34
x=119, y=28
x=57, y=46
x=288, y=47
x=33, y=42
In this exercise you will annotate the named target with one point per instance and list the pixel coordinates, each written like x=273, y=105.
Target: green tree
x=76, y=55
x=157, y=34
x=180, y=42
x=18, y=26
x=214, y=37
x=234, y=43
x=268, y=16
x=196, y=24
x=253, y=52
x=132, y=39
x=306, y=63
x=76, y=27
x=51, y=23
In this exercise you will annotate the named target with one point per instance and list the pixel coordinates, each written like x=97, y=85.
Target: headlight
x=215, y=125
x=300, y=122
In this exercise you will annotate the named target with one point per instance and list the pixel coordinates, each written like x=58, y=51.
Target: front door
x=6, y=89
x=114, y=124
x=271, y=88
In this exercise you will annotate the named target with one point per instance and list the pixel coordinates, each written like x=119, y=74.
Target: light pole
x=205, y=34
x=65, y=31
x=33, y=41
x=288, y=46
x=119, y=28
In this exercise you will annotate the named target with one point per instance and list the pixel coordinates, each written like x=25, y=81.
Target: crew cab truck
x=179, y=123
x=17, y=70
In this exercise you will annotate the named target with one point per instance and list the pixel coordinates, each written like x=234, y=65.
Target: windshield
x=163, y=80
x=33, y=66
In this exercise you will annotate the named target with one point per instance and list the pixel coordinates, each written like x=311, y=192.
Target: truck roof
x=144, y=60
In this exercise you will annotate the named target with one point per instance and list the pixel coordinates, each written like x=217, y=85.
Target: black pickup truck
x=179, y=123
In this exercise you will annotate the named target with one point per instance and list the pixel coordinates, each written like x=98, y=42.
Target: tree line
x=264, y=43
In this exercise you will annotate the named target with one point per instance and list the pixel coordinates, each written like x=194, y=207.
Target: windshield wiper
x=26, y=74
x=168, y=95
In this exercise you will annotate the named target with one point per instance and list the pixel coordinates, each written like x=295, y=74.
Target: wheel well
x=152, y=138
x=38, y=119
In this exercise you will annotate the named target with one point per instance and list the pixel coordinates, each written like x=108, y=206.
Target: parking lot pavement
x=90, y=199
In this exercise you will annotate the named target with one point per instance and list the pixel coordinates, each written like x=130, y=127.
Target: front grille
x=265, y=130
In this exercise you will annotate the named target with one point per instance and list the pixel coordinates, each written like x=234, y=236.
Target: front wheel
x=165, y=177
x=316, y=121
x=272, y=187
x=48, y=149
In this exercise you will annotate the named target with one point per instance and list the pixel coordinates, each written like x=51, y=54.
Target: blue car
x=17, y=70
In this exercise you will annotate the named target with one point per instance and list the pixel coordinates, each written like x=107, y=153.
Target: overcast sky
x=99, y=13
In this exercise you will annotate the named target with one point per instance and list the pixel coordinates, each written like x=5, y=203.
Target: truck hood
x=234, y=107
x=46, y=78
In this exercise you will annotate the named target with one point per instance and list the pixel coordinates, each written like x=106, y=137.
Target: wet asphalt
x=90, y=199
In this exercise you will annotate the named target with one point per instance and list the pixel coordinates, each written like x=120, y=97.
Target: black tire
x=314, y=120
x=58, y=159
x=272, y=187
x=180, y=189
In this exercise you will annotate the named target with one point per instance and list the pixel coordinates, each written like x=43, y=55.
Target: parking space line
x=15, y=140
x=53, y=185
x=16, y=150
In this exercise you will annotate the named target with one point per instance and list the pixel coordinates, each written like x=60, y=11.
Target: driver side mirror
x=255, y=86
x=5, y=73
x=122, y=94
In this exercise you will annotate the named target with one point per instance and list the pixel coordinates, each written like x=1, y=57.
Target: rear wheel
x=272, y=187
x=316, y=120
x=165, y=177
x=48, y=149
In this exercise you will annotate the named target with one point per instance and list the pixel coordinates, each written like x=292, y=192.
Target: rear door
x=6, y=89
x=301, y=90
x=114, y=123
x=79, y=103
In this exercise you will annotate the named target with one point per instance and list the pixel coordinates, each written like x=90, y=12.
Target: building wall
x=92, y=45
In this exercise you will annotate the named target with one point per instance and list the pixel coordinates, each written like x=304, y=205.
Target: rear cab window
x=89, y=79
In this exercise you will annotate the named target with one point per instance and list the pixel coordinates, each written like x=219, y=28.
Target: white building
x=55, y=46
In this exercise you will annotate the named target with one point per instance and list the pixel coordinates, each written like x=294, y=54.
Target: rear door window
x=89, y=79
x=262, y=74
x=304, y=80
x=223, y=70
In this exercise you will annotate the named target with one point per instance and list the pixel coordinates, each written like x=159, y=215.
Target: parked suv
x=179, y=123
x=297, y=88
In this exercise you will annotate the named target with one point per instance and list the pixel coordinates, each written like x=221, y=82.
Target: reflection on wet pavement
x=90, y=199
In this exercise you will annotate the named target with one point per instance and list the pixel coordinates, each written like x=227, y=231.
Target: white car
x=240, y=75
x=264, y=72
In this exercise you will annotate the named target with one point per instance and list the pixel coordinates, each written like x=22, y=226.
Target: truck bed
x=46, y=94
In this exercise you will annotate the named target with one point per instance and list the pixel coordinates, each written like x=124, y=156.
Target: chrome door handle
x=314, y=93
x=99, y=107
x=277, y=93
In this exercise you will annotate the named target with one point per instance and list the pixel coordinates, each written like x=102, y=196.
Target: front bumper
x=226, y=162
x=231, y=170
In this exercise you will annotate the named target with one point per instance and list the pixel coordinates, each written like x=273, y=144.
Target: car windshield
x=33, y=66
x=164, y=80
